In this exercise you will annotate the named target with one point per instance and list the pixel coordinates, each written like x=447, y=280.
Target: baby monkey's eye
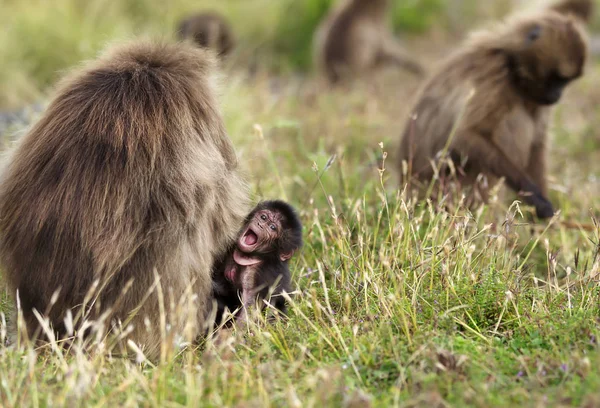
x=272, y=226
x=263, y=217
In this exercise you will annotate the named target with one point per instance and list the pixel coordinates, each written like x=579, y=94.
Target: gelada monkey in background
x=128, y=177
x=355, y=38
x=258, y=262
x=208, y=30
x=513, y=74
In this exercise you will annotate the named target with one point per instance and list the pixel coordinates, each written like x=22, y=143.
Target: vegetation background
x=398, y=302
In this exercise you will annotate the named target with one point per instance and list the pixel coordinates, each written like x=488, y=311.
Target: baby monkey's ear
x=284, y=256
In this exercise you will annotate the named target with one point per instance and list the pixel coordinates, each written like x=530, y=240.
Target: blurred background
x=41, y=38
x=269, y=80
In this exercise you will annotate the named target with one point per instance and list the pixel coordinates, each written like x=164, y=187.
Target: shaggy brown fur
x=208, y=30
x=354, y=38
x=516, y=72
x=129, y=175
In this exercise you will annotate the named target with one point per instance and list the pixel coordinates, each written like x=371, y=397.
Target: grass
x=399, y=302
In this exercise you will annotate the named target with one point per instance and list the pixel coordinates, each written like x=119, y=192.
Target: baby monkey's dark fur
x=257, y=264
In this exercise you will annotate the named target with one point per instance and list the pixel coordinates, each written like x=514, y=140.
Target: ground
x=398, y=302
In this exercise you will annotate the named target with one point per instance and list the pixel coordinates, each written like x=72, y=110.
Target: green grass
x=398, y=302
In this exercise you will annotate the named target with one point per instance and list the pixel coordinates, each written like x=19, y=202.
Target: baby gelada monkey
x=257, y=264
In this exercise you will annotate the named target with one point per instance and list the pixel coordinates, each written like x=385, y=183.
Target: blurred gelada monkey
x=355, y=38
x=208, y=30
x=117, y=201
x=488, y=106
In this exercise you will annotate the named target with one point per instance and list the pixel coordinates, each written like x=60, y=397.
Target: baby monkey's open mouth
x=250, y=237
x=248, y=241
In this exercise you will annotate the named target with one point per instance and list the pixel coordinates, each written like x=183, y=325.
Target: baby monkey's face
x=262, y=232
x=258, y=238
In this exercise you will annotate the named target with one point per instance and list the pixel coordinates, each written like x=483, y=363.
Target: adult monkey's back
x=129, y=175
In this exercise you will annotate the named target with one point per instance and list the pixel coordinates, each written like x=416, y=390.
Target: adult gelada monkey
x=513, y=74
x=127, y=182
x=257, y=264
x=355, y=38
